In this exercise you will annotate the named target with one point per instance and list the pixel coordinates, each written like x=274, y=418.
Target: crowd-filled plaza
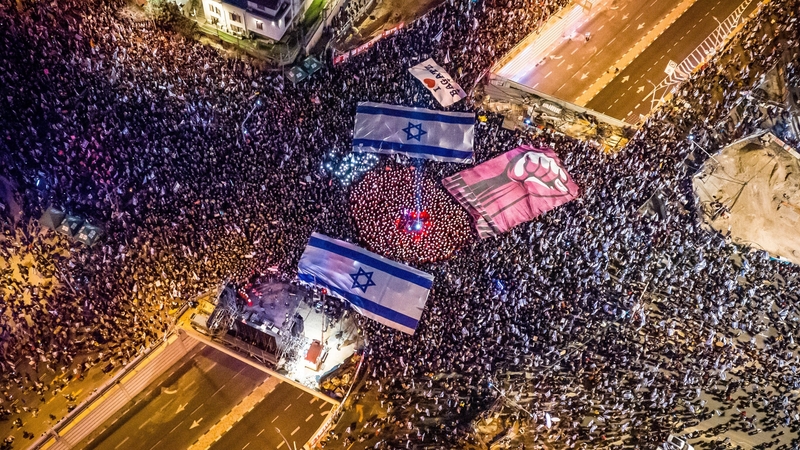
x=625, y=328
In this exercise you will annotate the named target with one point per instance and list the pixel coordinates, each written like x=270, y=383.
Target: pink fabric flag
x=512, y=188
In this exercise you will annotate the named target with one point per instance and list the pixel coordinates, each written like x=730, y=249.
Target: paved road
x=570, y=66
x=181, y=405
x=297, y=414
x=626, y=100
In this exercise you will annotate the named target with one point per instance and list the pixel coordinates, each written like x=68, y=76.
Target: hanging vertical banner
x=438, y=81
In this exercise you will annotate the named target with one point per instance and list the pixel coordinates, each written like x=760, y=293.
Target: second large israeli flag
x=386, y=291
x=416, y=132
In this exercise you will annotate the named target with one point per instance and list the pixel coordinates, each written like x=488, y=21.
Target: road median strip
x=634, y=52
x=236, y=414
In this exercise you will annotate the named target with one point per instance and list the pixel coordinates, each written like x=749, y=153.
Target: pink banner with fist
x=512, y=188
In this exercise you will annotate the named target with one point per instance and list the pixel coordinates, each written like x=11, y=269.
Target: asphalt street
x=297, y=414
x=627, y=96
x=574, y=64
x=181, y=405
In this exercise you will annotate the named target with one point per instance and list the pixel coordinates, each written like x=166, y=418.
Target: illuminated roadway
x=199, y=390
x=628, y=100
x=182, y=404
x=631, y=42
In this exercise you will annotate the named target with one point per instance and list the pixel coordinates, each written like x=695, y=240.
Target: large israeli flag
x=391, y=293
x=416, y=132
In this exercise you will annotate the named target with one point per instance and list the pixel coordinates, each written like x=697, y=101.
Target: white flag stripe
x=416, y=132
x=438, y=82
x=389, y=292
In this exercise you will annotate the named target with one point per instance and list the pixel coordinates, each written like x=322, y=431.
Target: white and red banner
x=338, y=59
x=438, y=81
x=512, y=188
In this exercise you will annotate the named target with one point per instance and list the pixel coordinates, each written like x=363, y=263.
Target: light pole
x=691, y=140
x=247, y=117
x=284, y=439
x=514, y=403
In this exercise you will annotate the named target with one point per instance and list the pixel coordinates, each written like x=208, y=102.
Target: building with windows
x=262, y=18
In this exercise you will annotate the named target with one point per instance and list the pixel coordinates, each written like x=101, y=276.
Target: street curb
x=205, y=340
x=56, y=437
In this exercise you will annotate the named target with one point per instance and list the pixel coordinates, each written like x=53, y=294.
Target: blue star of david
x=362, y=286
x=410, y=131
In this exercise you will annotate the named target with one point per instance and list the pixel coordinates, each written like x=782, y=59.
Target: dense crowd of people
x=624, y=328
x=404, y=215
x=349, y=15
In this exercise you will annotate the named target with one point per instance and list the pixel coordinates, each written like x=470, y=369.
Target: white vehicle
x=199, y=322
x=676, y=443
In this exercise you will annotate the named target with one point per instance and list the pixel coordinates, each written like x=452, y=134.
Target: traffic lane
x=632, y=86
x=628, y=95
x=110, y=426
x=183, y=406
x=294, y=412
x=186, y=408
x=613, y=33
x=211, y=405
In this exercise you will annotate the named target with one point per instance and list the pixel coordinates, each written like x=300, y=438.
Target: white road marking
x=301, y=394
x=287, y=406
x=245, y=446
x=195, y=410
x=295, y=431
x=322, y=405
x=176, y=426
x=259, y=433
x=280, y=445
x=145, y=423
x=123, y=441
x=548, y=74
x=163, y=407
x=154, y=446
x=313, y=399
x=309, y=417
x=220, y=388
x=273, y=420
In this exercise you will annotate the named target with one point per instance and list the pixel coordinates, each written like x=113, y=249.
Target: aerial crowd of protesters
x=622, y=327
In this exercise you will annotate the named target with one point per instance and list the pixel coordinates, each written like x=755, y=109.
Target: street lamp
x=284, y=439
x=512, y=402
x=247, y=117
x=692, y=141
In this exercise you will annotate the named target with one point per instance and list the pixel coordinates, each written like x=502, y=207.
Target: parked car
x=676, y=443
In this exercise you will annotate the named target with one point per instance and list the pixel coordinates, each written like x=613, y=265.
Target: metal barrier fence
x=678, y=73
x=333, y=417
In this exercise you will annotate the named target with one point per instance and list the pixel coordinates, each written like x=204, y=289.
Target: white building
x=264, y=18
